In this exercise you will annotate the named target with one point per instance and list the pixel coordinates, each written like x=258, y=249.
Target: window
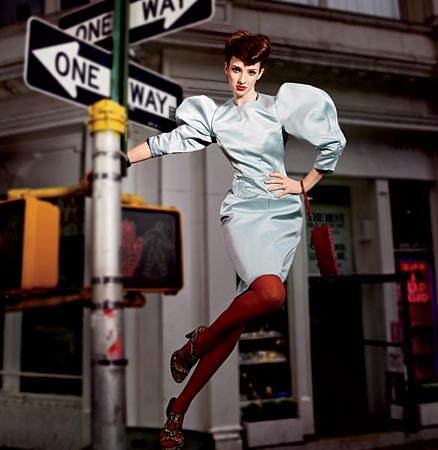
x=51, y=341
x=331, y=204
x=2, y=334
x=67, y=4
x=50, y=338
x=12, y=11
x=15, y=11
x=306, y=2
x=412, y=237
x=52, y=345
x=387, y=8
x=410, y=215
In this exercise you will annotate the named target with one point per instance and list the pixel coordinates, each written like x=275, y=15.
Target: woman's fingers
x=278, y=182
x=282, y=183
x=276, y=188
x=277, y=175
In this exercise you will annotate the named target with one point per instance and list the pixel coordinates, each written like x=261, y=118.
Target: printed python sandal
x=180, y=363
x=171, y=435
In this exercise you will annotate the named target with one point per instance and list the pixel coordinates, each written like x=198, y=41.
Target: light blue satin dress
x=261, y=232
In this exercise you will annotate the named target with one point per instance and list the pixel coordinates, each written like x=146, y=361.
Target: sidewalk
x=424, y=440
x=431, y=445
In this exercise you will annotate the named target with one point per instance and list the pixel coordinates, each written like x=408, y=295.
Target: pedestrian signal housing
x=70, y=201
x=151, y=241
x=151, y=249
x=29, y=243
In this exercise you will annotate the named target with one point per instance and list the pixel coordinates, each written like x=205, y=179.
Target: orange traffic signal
x=29, y=244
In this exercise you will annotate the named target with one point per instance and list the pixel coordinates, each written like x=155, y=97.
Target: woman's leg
x=214, y=344
x=206, y=368
x=265, y=295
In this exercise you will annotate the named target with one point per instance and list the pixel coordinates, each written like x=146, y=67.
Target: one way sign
x=62, y=66
x=147, y=19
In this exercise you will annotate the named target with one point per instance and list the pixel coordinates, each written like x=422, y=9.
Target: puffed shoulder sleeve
x=309, y=114
x=193, y=132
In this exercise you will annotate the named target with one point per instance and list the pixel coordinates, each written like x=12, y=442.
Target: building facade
x=378, y=61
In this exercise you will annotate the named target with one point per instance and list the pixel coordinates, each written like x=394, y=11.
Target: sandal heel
x=180, y=364
x=171, y=435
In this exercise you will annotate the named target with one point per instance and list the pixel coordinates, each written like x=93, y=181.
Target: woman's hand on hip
x=283, y=183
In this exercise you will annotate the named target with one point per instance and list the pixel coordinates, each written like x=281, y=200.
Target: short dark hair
x=249, y=48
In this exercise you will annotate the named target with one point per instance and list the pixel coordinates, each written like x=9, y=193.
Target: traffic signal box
x=29, y=244
x=151, y=241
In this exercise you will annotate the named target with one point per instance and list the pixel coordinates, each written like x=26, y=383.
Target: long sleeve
x=309, y=114
x=193, y=132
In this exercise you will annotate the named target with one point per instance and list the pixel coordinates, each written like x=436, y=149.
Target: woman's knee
x=270, y=290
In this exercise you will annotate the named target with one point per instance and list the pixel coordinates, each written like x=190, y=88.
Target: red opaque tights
x=214, y=345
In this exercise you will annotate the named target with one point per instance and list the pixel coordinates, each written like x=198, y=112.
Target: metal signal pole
x=108, y=125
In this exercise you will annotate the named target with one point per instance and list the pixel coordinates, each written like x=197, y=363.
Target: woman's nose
x=242, y=79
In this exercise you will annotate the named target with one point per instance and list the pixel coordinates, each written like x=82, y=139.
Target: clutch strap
x=306, y=200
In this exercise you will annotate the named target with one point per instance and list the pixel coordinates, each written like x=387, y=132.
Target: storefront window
x=338, y=372
x=265, y=369
x=264, y=351
x=331, y=204
x=52, y=350
x=414, y=256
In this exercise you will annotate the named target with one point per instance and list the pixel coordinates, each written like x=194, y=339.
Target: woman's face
x=242, y=78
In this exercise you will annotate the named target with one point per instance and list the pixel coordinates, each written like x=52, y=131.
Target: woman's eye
x=236, y=70
x=252, y=73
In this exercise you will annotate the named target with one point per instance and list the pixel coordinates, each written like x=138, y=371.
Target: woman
x=261, y=215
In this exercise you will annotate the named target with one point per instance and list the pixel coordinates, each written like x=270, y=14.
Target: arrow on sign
x=71, y=70
x=147, y=19
x=147, y=11
x=67, y=68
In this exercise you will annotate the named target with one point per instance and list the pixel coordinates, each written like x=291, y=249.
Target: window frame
x=326, y=4
x=11, y=372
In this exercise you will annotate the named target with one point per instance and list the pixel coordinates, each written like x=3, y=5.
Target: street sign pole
x=119, y=72
x=108, y=123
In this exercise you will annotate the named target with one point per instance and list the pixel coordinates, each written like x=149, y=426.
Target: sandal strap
x=180, y=363
x=193, y=337
x=173, y=433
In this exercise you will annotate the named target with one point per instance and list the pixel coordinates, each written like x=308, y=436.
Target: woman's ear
x=260, y=74
x=225, y=68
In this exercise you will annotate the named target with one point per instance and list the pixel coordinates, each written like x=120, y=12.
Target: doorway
x=338, y=361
